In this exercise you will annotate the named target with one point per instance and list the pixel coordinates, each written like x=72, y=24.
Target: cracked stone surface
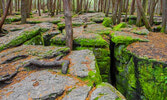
x=84, y=61
x=104, y=93
x=39, y=85
x=79, y=93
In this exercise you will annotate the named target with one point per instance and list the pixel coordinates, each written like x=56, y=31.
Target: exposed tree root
x=44, y=64
x=14, y=58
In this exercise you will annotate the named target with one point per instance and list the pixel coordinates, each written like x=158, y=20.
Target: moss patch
x=119, y=26
x=26, y=35
x=107, y=22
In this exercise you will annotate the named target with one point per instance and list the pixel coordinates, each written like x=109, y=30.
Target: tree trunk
x=5, y=14
x=68, y=24
x=127, y=4
x=39, y=8
x=141, y=10
x=114, y=16
x=3, y=6
x=132, y=7
x=23, y=11
x=15, y=5
x=152, y=10
x=164, y=16
x=120, y=11
x=108, y=8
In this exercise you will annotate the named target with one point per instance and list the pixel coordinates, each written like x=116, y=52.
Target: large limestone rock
x=39, y=85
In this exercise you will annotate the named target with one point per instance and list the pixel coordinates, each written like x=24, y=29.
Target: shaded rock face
x=39, y=85
x=103, y=93
x=79, y=93
x=84, y=61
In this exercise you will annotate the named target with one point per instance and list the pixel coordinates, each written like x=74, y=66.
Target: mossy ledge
x=23, y=37
x=138, y=77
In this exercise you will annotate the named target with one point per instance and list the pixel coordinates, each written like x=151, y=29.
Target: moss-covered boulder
x=107, y=22
x=119, y=26
x=9, y=20
x=17, y=38
x=97, y=20
x=61, y=25
x=82, y=37
x=138, y=77
x=141, y=32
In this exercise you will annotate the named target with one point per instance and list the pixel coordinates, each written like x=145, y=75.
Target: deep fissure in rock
x=112, y=64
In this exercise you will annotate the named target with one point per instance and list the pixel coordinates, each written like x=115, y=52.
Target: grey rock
x=38, y=85
x=104, y=92
x=79, y=93
x=84, y=61
x=141, y=32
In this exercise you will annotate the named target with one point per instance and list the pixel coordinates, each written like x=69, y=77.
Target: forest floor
x=42, y=81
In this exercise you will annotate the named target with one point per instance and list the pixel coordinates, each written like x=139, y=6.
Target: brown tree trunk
x=120, y=11
x=127, y=4
x=108, y=7
x=152, y=10
x=5, y=14
x=132, y=7
x=114, y=16
x=3, y=6
x=39, y=7
x=141, y=10
x=164, y=16
x=11, y=8
x=68, y=24
x=15, y=5
x=23, y=11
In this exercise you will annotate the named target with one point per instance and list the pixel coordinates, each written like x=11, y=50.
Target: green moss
x=34, y=22
x=26, y=35
x=119, y=26
x=35, y=41
x=123, y=39
x=107, y=22
x=87, y=42
x=56, y=21
x=10, y=20
x=61, y=26
x=97, y=20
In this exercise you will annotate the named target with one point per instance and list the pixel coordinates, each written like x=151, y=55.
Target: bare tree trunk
x=5, y=14
x=15, y=5
x=18, y=5
x=39, y=8
x=132, y=7
x=68, y=24
x=23, y=11
x=11, y=8
x=152, y=10
x=164, y=16
x=141, y=10
x=114, y=16
x=27, y=11
x=108, y=7
x=120, y=11
x=3, y=6
x=127, y=4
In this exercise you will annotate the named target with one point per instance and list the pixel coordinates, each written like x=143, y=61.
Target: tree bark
x=39, y=7
x=164, y=16
x=5, y=14
x=23, y=11
x=141, y=10
x=68, y=24
x=132, y=7
x=114, y=16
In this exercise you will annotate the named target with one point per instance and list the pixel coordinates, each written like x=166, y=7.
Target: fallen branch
x=44, y=64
